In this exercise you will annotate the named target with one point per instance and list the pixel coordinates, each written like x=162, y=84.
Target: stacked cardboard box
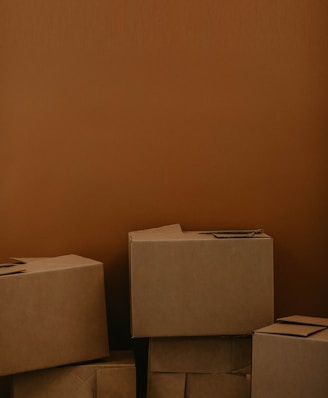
x=200, y=367
x=290, y=359
x=198, y=284
x=53, y=313
x=114, y=377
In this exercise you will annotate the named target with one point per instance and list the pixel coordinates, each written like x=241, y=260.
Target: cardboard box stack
x=54, y=314
x=198, y=296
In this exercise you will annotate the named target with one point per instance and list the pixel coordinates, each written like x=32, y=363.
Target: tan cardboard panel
x=218, y=385
x=166, y=385
x=200, y=354
x=80, y=381
x=7, y=269
x=291, y=329
x=65, y=382
x=307, y=320
x=35, y=264
x=174, y=228
x=58, y=315
x=117, y=382
x=234, y=234
x=289, y=366
x=196, y=285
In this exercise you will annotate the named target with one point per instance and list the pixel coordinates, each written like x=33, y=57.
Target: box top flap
x=35, y=264
x=291, y=329
x=170, y=235
x=304, y=320
x=7, y=269
x=234, y=234
x=173, y=228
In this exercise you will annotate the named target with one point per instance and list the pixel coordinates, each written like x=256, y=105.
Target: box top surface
x=174, y=234
x=299, y=326
x=34, y=264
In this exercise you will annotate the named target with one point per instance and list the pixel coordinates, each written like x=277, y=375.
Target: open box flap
x=174, y=228
x=234, y=234
x=304, y=320
x=291, y=329
x=7, y=269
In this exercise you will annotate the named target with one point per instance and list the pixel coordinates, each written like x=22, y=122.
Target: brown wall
x=122, y=115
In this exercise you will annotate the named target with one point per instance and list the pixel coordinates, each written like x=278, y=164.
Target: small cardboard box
x=290, y=359
x=53, y=312
x=113, y=378
x=197, y=367
x=200, y=283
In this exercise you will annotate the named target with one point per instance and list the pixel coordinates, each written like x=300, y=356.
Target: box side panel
x=58, y=318
x=66, y=382
x=116, y=382
x=218, y=385
x=199, y=354
x=200, y=288
x=166, y=385
x=286, y=366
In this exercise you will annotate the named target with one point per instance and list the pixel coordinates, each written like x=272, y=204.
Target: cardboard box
x=220, y=354
x=53, y=313
x=290, y=359
x=200, y=284
x=113, y=378
x=197, y=367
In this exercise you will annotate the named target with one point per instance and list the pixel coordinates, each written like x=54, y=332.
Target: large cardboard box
x=53, y=312
x=197, y=367
x=200, y=283
x=114, y=378
x=290, y=359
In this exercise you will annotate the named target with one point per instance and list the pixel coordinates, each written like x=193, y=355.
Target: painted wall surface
x=121, y=115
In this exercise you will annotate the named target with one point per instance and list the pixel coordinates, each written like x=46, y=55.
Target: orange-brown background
x=121, y=115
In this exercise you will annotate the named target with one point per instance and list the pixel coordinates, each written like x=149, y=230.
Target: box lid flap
x=304, y=320
x=173, y=228
x=291, y=329
x=7, y=269
x=234, y=234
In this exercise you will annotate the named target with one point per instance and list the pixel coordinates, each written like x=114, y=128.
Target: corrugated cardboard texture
x=290, y=366
x=191, y=284
x=113, y=378
x=166, y=385
x=218, y=386
x=118, y=383
x=193, y=385
x=53, y=314
x=200, y=354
